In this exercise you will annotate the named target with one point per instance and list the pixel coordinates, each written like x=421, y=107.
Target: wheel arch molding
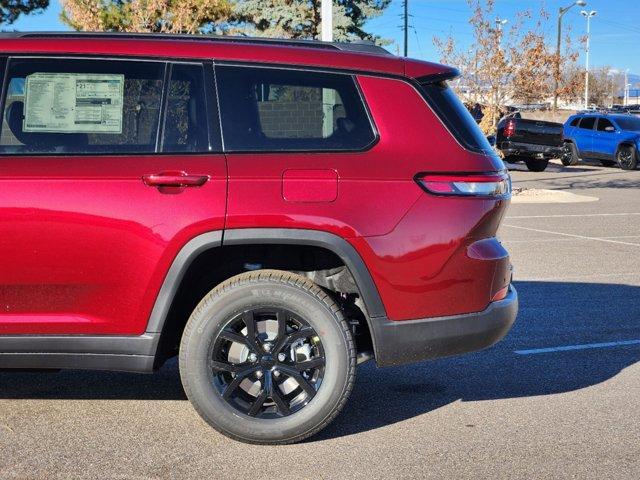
x=261, y=236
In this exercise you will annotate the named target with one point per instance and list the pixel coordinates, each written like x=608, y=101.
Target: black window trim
x=167, y=61
x=4, y=65
x=593, y=127
x=211, y=108
x=287, y=67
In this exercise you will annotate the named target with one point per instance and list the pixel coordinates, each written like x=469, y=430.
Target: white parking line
x=578, y=215
x=583, y=237
x=584, y=346
x=551, y=240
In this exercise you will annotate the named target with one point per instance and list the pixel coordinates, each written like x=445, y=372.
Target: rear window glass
x=603, y=124
x=264, y=109
x=587, y=123
x=81, y=106
x=629, y=123
x=575, y=122
x=455, y=116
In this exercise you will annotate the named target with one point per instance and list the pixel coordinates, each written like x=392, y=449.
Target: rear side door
x=605, y=139
x=108, y=166
x=584, y=136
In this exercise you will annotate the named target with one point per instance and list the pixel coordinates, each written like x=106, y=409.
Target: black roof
x=363, y=46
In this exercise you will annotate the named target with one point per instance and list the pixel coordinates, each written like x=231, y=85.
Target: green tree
x=301, y=18
x=163, y=16
x=10, y=10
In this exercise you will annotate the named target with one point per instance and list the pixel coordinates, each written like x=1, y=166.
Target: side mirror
x=609, y=129
x=492, y=140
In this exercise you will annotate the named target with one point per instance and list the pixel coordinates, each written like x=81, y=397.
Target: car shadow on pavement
x=551, y=314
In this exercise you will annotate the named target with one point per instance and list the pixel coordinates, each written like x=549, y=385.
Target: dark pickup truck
x=533, y=141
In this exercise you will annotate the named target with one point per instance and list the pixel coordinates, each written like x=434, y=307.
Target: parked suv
x=274, y=212
x=611, y=139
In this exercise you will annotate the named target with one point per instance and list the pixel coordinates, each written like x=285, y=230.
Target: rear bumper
x=407, y=341
x=530, y=150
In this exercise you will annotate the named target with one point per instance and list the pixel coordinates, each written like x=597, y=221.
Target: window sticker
x=73, y=103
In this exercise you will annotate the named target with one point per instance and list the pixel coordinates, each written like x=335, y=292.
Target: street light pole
x=625, y=100
x=588, y=16
x=561, y=12
x=500, y=22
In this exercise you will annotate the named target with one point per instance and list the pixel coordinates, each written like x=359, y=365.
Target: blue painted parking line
x=584, y=346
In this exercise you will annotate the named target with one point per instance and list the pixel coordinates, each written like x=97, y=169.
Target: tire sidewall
x=537, y=165
x=634, y=157
x=574, y=155
x=213, y=315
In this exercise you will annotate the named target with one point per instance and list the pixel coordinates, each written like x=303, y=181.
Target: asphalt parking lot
x=558, y=398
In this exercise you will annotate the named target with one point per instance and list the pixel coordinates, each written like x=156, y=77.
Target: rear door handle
x=175, y=179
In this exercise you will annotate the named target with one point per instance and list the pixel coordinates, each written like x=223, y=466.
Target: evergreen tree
x=10, y=10
x=301, y=18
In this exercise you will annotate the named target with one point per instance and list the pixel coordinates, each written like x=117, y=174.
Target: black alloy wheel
x=569, y=154
x=267, y=374
x=268, y=357
x=626, y=157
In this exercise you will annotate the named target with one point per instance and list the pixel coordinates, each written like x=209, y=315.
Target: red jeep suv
x=273, y=212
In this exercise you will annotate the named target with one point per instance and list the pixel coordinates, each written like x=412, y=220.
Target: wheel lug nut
x=253, y=357
x=267, y=347
x=281, y=357
x=276, y=373
x=259, y=374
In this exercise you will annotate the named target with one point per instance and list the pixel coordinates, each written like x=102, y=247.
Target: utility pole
x=588, y=16
x=328, y=95
x=326, y=21
x=561, y=12
x=405, y=28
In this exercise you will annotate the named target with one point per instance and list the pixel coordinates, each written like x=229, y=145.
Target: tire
x=569, y=154
x=627, y=157
x=537, y=165
x=608, y=163
x=323, y=336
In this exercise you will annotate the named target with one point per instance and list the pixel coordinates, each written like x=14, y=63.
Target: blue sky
x=615, y=30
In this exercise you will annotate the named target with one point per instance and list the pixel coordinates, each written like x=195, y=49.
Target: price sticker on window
x=73, y=103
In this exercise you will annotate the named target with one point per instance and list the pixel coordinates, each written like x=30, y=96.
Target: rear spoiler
x=449, y=74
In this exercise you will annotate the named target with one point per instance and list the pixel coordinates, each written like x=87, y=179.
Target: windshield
x=629, y=123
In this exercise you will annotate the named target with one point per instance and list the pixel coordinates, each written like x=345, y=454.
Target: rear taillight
x=510, y=128
x=474, y=185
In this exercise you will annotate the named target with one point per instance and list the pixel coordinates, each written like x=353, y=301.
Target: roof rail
x=364, y=46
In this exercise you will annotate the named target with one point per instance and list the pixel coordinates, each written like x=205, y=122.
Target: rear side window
x=603, y=123
x=587, y=123
x=57, y=106
x=575, y=121
x=264, y=109
x=629, y=123
x=455, y=116
x=185, y=125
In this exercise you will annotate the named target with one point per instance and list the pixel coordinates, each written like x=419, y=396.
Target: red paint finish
x=233, y=51
x=310, y=185
x=85, y=244
x=422, y=268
